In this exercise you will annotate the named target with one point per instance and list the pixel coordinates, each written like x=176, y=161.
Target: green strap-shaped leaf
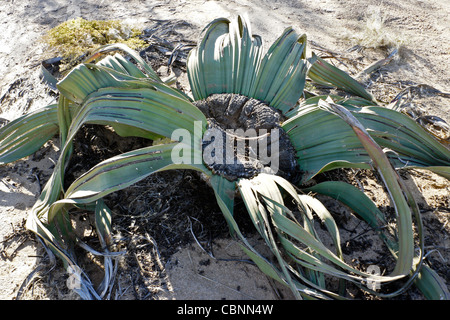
x=431, y=285
x=358, y=202
x=247, y=54
x=87, y=86
x=442, y=171
x=119, y=63
x=27, y=134
x=282, y=74
x=86, y=79
x=325, y=73
x=260, y=218
x=352, y=197
x=323, y=141
x=393, y=183
x=143, y=109
x=83, y=80
x=326, y=218
x=395, y=130
x=206, y=74
x=120, y=172
x=297, y=232
x=258, y=195
x=103, y=50
x=229, y=60
x=224, y=191
x=428, y=282
x=124, y=170
x=103, y=222
x=226, y=59
x=348, y=102
x=57, y=235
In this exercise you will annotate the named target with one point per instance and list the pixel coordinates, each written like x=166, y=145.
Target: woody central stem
x=244, y=138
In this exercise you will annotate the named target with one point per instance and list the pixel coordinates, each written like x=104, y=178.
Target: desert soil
x=356, y=32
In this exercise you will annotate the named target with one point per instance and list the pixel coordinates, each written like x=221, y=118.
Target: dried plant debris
x=411, y=101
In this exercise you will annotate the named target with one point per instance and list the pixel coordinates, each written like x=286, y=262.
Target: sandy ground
x=332, y=26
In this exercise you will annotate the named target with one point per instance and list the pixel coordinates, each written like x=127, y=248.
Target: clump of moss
x=79, y=37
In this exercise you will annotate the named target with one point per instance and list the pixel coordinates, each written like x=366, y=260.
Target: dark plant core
x=249, y=125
